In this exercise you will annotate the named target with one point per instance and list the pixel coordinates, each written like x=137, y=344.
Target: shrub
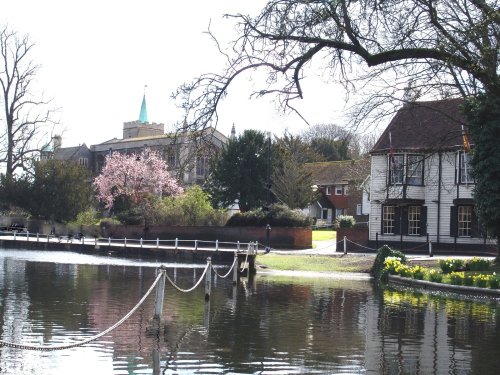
x=456, y=278
x=435, y=276
x=87, y=217
x=385, y=251
x=278, y=215
x=345, y=221
x=478, y=264
x=451, y=265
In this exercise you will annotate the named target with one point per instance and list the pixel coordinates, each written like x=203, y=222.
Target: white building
x=422, y=190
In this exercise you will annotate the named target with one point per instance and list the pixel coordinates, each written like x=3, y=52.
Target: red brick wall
x=357, y=234
x=284, y=238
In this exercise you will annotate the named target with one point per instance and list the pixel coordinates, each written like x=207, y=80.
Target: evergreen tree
x=240, y=172
x=483, y=115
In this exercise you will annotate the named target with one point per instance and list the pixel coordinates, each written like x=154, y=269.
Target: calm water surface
x=272, y=325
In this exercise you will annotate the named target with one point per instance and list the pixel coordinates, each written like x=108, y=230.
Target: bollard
x=208, y=279
x=345, y=246
x=430, y=249
x=160, y=293
x=216, y=245
x=141, y=242
x=238, y=246
x=27, y=236
x=109, y=241
x=37, y=238
x=14, y=236
x=176, y=243
x=157, y=242
x=195, y=245
x=235, y=269
x=125, y=242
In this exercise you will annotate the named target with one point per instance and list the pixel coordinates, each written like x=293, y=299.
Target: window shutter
x=454, y=221
x=423, y=221
x=404, y=219
x=397, y=220
x=382, y=219
x=475, y=228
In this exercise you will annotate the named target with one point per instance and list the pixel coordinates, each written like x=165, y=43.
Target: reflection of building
x=341, y=184
x=187, y=154
x=421, y=182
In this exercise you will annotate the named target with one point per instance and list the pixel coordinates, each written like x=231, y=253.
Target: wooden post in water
x=160, y=293
x=235, y=269
x=208, y=279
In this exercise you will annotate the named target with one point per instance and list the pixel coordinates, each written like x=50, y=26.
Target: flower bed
x=453, y=272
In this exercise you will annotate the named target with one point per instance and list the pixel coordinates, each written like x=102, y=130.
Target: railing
x=171, y=244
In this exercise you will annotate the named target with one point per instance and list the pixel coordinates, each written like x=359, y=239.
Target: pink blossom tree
x=135, y=176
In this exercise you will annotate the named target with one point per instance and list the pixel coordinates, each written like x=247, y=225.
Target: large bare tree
x=23, y=114
x=391, y=49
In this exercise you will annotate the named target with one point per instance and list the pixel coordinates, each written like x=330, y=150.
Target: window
x=324, y=213
x=338, y=190
x=415, y=170
x=328, y=190
x=339, y=212
x=171, y=159
x=83, y=161
x=396, y=169
x=201, y=166
x=414, y=214
x=464, y=221
x=465, y=176
x=388, y=219
x=359, y=209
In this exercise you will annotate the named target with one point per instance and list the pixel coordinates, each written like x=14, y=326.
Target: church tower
x=141, y=127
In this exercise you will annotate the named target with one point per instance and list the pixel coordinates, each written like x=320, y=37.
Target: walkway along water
x=175, y=249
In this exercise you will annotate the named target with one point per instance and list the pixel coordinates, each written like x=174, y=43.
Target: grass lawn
x=324, y=235
x=315, y=263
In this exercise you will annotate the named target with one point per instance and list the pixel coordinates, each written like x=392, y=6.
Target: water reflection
x=268, y=324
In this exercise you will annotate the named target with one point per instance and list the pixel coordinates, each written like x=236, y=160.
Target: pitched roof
x=429, y=125
x=336, y=172
x=68, y=153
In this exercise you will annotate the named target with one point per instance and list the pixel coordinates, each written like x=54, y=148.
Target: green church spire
x=143, y=116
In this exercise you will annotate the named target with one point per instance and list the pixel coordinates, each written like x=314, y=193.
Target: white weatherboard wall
x=429, y=193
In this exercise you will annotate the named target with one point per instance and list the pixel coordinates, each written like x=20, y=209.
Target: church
x=187, y=153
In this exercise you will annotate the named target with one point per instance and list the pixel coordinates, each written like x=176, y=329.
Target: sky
x=96, y=57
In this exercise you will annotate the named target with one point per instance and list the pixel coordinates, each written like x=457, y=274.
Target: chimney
x=57, y=142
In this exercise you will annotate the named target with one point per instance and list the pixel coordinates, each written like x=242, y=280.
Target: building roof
x=68, y=153
x=339, y=172
x=427, y=125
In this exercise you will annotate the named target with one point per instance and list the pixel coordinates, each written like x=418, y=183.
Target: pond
x=269, y=325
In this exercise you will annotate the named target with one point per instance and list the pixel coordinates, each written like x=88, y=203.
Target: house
x=186, y=153
x=341, y=188
x=421, y=184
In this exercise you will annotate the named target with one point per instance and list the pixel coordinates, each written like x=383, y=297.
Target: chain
x=194, y=287
x=93, y=338
x=228, y=272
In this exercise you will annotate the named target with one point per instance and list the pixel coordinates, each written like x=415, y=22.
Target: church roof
x=143, y=116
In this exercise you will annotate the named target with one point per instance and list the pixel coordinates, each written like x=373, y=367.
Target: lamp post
x=268, y=200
